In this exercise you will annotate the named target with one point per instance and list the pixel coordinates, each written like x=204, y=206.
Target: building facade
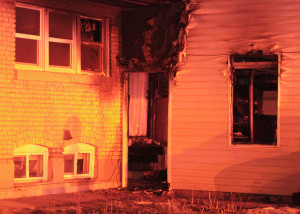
x=60, y=97
x=234, y=106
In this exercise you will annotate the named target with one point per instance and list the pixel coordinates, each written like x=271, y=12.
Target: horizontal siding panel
x=280, y=161
x=199, y=125
x=234, y=168
x=200, y=132
x=190, y=98
x=202, y=92
x=204, y=142
x=250, y=183
x=184, y=85
x=215, y=60
x=273, y=176
x=290, y=99
x=199, y=105
x=203, y=75
x=200, y=112
x=256, y=152
x=290, y=113
x=204, y=118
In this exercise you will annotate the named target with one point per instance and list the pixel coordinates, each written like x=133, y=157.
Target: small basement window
x=79, y=161
x=254, y=88
x=30, y=163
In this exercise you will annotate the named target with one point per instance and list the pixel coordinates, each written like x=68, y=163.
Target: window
x=30, y=163
x=79, y=161
x=28, y=35
x=254, y=99
x=91, y=45
x=46, y=40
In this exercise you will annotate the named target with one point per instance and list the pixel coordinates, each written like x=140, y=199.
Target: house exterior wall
x=36, y=107
x=201, y=154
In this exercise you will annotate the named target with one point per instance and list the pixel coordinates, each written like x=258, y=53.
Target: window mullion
x=75, y=163
x=27, y=165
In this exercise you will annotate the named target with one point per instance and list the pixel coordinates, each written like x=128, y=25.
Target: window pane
x=59, y=54
x=69, y=164
x=91, y=30
x=83, y=162
x=20, y=167
x=241, y=120
x=36, y=166
x=91, y=57
x=26, y=50
x=265, y=98
x=60, y=25
x=27, y=21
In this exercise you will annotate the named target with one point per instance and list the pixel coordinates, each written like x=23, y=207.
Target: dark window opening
x=255, y=98
x=91, y=45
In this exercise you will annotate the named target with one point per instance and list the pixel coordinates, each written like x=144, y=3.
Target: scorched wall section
x=202, y=156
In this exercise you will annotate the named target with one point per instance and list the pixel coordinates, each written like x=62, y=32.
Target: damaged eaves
x=127, y=3
x=153, y=37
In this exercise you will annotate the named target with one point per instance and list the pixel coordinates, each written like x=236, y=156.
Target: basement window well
x=254, y=93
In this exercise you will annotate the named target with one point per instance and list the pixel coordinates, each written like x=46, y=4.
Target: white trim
x=74, y=149
x=28, y=150
x=38, y=38
x=104, y=46
x=75, y=45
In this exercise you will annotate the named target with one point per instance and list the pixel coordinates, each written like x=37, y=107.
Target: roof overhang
x=128, y=3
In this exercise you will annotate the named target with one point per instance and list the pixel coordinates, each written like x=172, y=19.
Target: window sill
x=59, y=77
x=252, y=146
x=25, y=182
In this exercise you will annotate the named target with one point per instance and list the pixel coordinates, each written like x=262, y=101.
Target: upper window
x=79, y=161
x=28, y=35
x=46, y=40
x=254, y=99
x=30, y=163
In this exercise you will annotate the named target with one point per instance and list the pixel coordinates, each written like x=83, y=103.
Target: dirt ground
x=134, y=200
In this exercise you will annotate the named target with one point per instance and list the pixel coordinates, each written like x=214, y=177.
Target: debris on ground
x=134, y=200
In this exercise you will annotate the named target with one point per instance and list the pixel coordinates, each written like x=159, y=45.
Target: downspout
x=125, y=131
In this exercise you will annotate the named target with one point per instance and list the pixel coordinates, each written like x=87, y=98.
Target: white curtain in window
x=138, y=103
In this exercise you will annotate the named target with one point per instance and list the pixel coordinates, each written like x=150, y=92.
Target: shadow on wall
x=214, y=165
x=72, y=128
x=276, y=175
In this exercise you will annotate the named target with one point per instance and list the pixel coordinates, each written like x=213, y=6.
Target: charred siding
x=202, y=157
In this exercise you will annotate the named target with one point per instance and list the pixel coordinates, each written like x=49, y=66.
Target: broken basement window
x=254, y=99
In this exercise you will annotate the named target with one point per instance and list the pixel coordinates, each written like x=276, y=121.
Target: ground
x=134, y=200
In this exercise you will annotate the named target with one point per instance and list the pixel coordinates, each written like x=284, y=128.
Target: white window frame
x=104, y=46
x=75, y=45
x=72, y=43
x=40, y=46
x=28, y=150
x=74, y=149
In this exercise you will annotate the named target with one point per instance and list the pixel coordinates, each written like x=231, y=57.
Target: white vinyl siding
x=202, y=156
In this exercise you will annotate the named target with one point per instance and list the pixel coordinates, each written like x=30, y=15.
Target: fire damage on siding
x=153, y=37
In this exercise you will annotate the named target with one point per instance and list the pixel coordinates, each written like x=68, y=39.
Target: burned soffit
x=127, y=3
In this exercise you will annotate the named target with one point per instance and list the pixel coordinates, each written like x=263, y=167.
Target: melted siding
x=202, y=157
